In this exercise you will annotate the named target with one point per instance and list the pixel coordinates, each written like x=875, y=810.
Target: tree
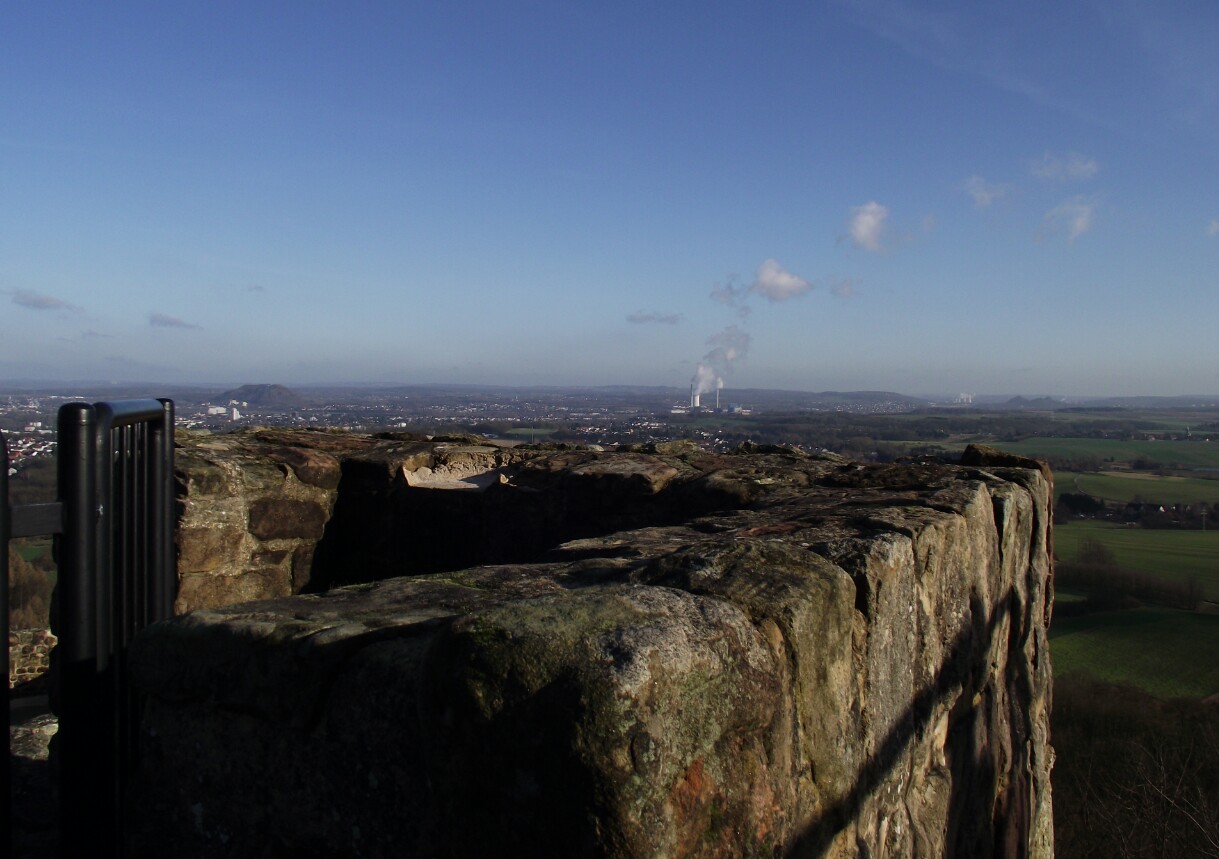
x=29, y=593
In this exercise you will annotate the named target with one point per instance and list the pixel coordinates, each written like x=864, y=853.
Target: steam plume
x=727, y=347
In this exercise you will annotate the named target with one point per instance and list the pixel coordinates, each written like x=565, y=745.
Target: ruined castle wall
x=29, y=655
x=821, y=658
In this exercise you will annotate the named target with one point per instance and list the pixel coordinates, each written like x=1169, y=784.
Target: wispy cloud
x=40, y=301
x=1032, y=55
x=844, y=288
x=982, y=192
x=867, y=225
x=1212, y=229
x=160, y=320
x=1071, y=217
x=775, y=283
x=1072, y=167
x=641, y=317
x=733, y=294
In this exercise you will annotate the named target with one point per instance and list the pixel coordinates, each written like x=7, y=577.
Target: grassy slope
x=1175, y=555
x=1120, y=487
x=1182, y=454
x=1166, y=653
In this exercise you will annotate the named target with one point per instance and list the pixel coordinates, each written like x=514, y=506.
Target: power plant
x=696, y=395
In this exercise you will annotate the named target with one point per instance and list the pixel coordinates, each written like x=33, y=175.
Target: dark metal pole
x=163, y=588
x=84, y=817
x=6, y=815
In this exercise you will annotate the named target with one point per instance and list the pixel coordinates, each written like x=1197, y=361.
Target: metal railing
x=6, y=776
x=113, y=522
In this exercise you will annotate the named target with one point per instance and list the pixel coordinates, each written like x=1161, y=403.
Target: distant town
x=596, y=416
x=854, y=423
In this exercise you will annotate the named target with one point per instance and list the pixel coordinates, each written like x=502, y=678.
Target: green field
x=1177, y=454
x=1062, y=595
x=1174, y=555
x=1168, y=653
x=1120, y=487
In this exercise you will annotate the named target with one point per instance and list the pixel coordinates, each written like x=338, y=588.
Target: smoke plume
x=727, y=347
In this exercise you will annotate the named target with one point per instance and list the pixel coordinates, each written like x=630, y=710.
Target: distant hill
x=1035, y=403
x=266, y=396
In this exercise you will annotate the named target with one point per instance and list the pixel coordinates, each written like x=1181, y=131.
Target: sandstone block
x=203, y=549
x=285, y=518
x=313, y=467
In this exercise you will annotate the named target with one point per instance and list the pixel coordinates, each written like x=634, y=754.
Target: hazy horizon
x=159, y=388
x=857, y=195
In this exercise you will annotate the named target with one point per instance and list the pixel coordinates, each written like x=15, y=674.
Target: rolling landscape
x=891, y=233
x=1135, y=635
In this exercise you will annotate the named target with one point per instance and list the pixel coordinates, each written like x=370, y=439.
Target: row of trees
x=29, y=589
x=1189, y=517
x=1096, y=572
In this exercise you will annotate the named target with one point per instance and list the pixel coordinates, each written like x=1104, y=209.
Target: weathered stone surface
x=761, y=654
x=254, y=494
x=313, y=467
x=245, y=495
x=204, y=549
x=286, y=518
x=29, y=655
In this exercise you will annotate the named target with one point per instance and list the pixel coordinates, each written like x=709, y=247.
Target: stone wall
x=255, y=506
x=29, y=655
x=760, y=654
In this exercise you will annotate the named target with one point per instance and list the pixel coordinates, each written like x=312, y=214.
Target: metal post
x=116, y=575
x=85, y=821
x=163, y=588
x=6, y=815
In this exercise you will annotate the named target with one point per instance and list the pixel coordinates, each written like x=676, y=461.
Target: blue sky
x=920, y=197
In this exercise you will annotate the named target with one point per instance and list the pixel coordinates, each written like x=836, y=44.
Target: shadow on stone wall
x=988, y=816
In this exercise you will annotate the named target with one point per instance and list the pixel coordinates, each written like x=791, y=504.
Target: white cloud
x=867, y=225
x=776, y=283
x=1212, y=229
x=1072, y=168
x=1072, y=217
x=983, y=193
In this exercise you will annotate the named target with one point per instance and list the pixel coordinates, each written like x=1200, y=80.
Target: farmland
x=1170, y=454
x=1172, y=554
x=1167, y=653
x=1120, y=487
